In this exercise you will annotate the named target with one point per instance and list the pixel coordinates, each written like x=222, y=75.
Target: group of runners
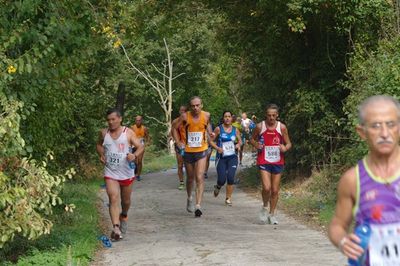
x=368, y=192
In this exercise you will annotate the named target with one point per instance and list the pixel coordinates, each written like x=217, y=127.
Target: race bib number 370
x=195, y=139
x=384, y=247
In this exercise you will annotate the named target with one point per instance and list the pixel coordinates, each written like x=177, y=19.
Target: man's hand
x=130, y=157
x=237, y=147
x=282, y=148
x=102, y=159
x=349, y=246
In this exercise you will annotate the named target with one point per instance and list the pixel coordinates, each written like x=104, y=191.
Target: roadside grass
x=157, y=160
x=311, y=200
x=73, y=238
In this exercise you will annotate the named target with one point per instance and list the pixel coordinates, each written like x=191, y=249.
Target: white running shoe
x=263, y=215
x=228, y=202
x=272, y=219
x=190, y=205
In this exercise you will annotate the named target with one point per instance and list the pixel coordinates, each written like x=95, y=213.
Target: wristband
x=341, y=243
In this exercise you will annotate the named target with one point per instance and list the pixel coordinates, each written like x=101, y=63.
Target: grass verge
x=155, y=160
x=73, y=239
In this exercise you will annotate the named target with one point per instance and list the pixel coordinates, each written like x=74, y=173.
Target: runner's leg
x=199, y=175
x=276, y=180
x=266, y=186
x=126, y=192
x=230, y=175
x=139, y=165
x=113, y=192
x=189, y=178
x=179, y=160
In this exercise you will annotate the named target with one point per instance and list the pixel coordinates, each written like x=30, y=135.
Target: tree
x=162, y=86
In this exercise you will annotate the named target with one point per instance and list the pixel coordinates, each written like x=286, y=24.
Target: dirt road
x=162, y=232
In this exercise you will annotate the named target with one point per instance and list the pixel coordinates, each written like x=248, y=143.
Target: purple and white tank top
x=378, y=203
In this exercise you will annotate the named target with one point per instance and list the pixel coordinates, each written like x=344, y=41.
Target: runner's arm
x=212, y=140
x=209, y=128
x=287, y=143
x=254, y=136
x=146, y=135
x=343, y=217
x=134, y=141
x=99, y=146
x=175, y=129
x=239, y=138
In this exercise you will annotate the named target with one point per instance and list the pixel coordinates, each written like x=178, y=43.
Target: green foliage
x=49, y=50
x=73, y=239
x=27, y=195
x=373, y=73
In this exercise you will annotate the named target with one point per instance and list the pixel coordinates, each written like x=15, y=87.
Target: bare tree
x=162, y=86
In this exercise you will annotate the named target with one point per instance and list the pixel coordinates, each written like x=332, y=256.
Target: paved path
x=162, y=232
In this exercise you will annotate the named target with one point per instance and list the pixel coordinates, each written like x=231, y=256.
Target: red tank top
x=271, y=154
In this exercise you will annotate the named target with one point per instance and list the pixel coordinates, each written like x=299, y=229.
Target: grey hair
x=373, y=99
x=272, y=106
x=195, y=97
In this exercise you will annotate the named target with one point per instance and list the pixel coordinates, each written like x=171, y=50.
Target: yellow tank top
x=196, y=140
x=139, y=131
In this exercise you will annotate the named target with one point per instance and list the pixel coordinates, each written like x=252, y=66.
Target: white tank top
x=115, y=151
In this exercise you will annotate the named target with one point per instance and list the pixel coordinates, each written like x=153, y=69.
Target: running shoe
x=263, y=215
x=272, y=219
x=116, y=234
x=138, y=178
x=198, y=213
x=189, y=205
x=123, y=220
x=181, y=186
x=216, y=190
x=228, y=202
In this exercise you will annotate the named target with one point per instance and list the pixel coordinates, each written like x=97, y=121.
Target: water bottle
x=182, y=151
x=261, y=141
x=131, y=164
x=363, y=231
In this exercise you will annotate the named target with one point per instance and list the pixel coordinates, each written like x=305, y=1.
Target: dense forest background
x=61, y=63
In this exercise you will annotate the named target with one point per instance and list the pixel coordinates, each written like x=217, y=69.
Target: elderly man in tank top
x=142, y=133
x=197, y=124
x=271, y=139
x=114, y=148
x=369, y=192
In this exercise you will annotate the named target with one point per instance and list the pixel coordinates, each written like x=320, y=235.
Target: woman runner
x=227, y=142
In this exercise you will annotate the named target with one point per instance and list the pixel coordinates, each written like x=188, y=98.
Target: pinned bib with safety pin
x=195, y=139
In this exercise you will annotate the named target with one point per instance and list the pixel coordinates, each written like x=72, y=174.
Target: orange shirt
x=139, y=131
x=196, y=140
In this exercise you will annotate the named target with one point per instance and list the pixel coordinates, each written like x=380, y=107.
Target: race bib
x=229, y=148
x=272, y=154
x=114, y=160
x=384, y=245
x=195, y=139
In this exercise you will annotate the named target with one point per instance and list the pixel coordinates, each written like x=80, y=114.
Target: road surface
x=162, y=232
